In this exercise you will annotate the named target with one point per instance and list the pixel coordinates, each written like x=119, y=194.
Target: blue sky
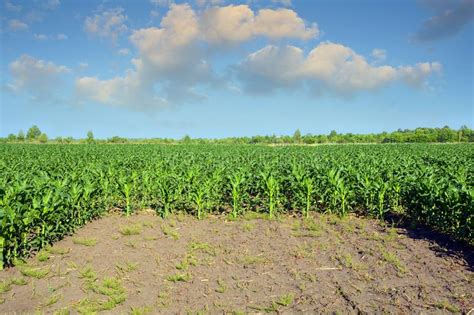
x=218, y=68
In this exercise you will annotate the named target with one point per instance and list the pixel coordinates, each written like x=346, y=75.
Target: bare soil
x=144, y=264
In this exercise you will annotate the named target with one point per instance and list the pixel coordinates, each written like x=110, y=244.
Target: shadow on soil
x=442, y=244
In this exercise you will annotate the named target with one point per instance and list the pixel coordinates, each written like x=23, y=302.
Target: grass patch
x=221, y=287
x=186, y=262
x=53, y=299
x=252, y=260
x=58, y=250
x=43, y=255
x=87, y=273
x=179, y=277
x=128, y=230
x=445, y=305
x=169, y=232
x=275, y=306
x=33, y=272
x=126, y=267
x=111, y=288
x=202, y=247
x=140, y=310
x=392, y=259
x=85, y=241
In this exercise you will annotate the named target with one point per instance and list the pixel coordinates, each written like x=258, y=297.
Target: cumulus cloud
x=61, y=37
x=172, y=64
x=379, y=54
x=335, y=67
x=107, y=24
x=169, y=68
x=35, y=77
x=240, y=23
x=17, y=25
x=450, y=18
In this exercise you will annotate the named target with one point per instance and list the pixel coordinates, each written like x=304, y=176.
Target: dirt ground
x=146, y=265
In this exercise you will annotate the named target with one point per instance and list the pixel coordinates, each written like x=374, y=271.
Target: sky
x=223, y=68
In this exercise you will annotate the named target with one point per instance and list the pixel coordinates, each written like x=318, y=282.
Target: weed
x=140, y=310
x=186, y=277
x=393, y=260
x=126, y=267
x=85, y=241
x=221, y=287
x=53, y=299
x=128, y=230
x=58, y=250
x=37, y=273
x=87, y=273
x=169, y=232
x=445, y=305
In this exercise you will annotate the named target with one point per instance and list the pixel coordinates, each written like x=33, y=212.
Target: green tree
x=11, y=138
x=297, y=136
x=21, y=136
x=43, y=138
x=90, y=137
x=33, y=133
x=186, y=139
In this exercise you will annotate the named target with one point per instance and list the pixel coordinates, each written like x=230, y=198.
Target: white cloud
x=335, y=67
x=379, y=54
x=43, y=37
x=35, y=77
x=17, y=25
x=83, y=65
x=239, y=23
x=107, y=24
x=169, y=67
x=124, y=52
x=129, y=90
x=9, y=6
x=40, y=36
x=172, y=66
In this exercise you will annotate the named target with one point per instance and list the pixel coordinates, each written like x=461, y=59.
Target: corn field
x=48, y=191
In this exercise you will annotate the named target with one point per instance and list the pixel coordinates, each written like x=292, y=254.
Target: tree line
x=418, y=135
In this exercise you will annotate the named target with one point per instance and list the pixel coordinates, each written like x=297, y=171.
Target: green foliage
x=47, y=192
x=43, y=138
x=90, y=137
x=33, y=133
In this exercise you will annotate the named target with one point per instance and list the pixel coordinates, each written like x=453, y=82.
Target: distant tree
x=186, y=139
x=59, y=139
x=33, y=133
x=11, y=138
x=297, y=136
x=90, y=137
x=43, y=138
x=21, y=136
